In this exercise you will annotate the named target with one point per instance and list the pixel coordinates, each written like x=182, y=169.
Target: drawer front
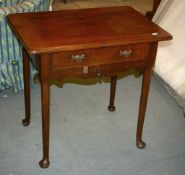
x=98, y=56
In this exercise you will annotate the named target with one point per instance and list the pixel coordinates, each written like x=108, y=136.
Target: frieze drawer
x=105, y=55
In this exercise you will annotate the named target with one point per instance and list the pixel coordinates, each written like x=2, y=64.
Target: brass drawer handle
x=78, y=58
x=125, y=53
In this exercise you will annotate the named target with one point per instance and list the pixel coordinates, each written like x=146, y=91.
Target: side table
x=86, y=43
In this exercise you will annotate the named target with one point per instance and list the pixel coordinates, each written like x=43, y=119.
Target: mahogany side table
x=85, y=43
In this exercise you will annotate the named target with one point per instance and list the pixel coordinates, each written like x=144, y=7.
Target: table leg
x=111, y=106
x=45, y=93
x=144, y=96
x=143, y=103
x=26, y=75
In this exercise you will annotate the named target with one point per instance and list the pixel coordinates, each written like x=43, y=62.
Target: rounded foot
x=25, y=122
x=44, y=163
x=140, y=144
x=111, y=108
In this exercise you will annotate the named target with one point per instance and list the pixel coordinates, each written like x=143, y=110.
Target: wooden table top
x=46, y=32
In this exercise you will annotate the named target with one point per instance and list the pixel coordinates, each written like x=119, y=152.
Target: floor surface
x=88, y=139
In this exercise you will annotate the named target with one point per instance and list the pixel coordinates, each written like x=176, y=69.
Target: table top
x=46, y=32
